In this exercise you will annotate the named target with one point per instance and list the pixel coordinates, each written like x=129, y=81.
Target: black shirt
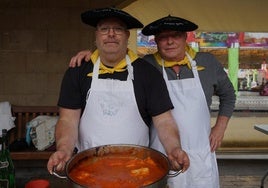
x=149, y=86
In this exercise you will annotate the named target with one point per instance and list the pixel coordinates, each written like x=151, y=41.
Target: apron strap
x=129, y=69
x=193, y=65
x=164, y=71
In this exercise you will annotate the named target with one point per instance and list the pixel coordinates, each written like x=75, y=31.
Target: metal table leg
x=263, y=178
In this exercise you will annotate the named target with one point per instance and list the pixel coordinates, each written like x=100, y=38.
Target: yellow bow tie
x=185, y=61
x=120, y=67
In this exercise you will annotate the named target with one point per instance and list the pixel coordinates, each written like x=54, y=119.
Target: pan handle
x=56, y=174
x=174, y=173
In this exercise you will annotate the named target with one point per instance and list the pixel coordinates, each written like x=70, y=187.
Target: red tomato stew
x=115, y=171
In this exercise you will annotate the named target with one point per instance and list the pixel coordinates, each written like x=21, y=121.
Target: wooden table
x=264, y=129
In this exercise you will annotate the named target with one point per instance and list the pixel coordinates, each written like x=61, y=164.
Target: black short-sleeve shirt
x=149, y=86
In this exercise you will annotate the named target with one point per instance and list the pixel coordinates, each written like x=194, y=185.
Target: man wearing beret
x=114, y=98
x=192, y=79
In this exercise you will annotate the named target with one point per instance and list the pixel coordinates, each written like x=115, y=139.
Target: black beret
x=92, y=17
x=169, y=23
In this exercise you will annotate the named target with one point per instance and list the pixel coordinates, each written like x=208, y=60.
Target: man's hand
x=168, y=134
x=58, y=160
x=216, y=137
x=217, y=132
x=179, y=159
x=77, y=59
x=66, y=135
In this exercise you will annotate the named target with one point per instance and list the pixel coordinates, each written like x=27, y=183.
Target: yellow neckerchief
x=120, y=67
x=185, y=61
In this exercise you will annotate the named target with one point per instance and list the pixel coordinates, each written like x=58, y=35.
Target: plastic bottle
x=264, y=68
x=7, y=170
x=264, y=65
x=254, y=75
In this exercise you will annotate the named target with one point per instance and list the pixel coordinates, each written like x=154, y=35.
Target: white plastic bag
x=42, y=130
x=6, y=119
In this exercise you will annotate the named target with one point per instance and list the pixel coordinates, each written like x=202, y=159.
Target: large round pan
x=139, y=152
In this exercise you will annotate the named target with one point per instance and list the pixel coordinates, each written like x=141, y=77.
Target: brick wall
x=37, y=40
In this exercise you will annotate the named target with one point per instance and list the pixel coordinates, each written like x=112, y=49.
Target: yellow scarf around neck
x=185, y=61
x=120, y=67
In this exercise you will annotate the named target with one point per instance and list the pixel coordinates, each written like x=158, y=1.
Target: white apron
x=193, y=118
x=111, y=115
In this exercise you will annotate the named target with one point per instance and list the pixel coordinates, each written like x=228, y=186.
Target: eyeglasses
x=116, y=30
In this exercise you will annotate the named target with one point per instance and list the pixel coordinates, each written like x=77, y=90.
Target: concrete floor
x=233, y=173
x=242, y=173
